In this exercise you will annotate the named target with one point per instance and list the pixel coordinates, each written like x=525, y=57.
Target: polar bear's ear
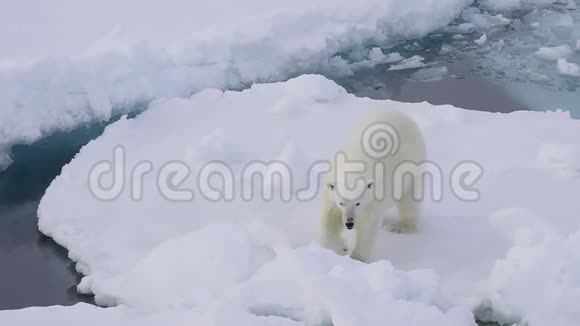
x=370, y=183
x=330, y=186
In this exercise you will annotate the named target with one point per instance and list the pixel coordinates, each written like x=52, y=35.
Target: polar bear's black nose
x=349, y=225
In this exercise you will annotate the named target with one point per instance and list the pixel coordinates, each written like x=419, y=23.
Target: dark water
x=35, y=271
x=465, y=84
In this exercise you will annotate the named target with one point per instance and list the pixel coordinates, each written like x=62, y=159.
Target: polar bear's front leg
x=330, y=233
x=349, y=238
x=362, y=252
x=365, y=240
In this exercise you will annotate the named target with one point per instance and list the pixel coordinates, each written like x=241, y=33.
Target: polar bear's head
x=351, y=201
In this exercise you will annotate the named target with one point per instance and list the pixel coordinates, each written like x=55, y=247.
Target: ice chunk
x=482, y=40
x=393, y=57
x=5, y=158
x=568, y=68
x=429, y=74
x=413, y=62
x=465, y=27
x=446, y=48
x=375, y=57
x=484, y=20
x=554, y=53
x=500, y=5
x=555, y=19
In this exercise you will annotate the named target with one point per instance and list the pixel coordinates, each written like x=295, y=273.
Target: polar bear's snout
x=349, y=223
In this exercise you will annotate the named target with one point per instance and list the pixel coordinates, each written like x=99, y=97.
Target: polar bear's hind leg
x=409, y=210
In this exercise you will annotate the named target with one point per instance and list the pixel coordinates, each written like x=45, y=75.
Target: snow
x=554, y=53
x=307, y=286
x=568, y=68
x=545, y=259
x=90, y=315
x=578, y=45
x=116, y=59
x=229, y=257
x=260, y=257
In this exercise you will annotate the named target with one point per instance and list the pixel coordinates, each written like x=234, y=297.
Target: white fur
x=364, y=208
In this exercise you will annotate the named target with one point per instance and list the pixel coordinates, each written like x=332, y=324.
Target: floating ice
x=554, y=53
x=375, y=57
x=429, y=74
x=484, y=20
x=413, y=62
x=482, y=40
x=465, y=27
x=568, y=68
x=500, y=5
x=251, y=254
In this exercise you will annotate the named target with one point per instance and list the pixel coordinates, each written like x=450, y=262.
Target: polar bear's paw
x=402, y=227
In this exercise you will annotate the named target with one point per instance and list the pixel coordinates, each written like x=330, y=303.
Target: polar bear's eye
x=341, y=204
x=358, y=204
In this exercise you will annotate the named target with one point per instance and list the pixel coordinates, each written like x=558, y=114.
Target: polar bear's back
x=396, y=127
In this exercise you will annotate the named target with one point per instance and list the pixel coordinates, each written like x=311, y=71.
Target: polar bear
x=378, y=168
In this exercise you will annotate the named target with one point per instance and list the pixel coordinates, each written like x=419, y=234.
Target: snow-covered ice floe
x=222, y=44
x=306, y=286
x=509, y=248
